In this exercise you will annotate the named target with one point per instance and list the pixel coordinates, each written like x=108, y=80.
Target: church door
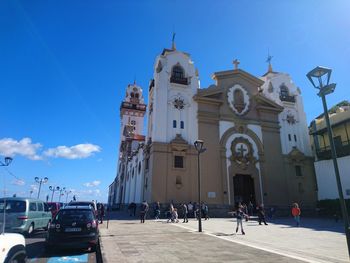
x=243, y=186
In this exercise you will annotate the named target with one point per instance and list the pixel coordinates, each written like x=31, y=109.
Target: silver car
x=24, y=215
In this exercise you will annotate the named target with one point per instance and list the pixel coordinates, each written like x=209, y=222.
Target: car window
x=40, y=207
x=46, y=207
x=32, y=207
x=13, y=206
x=74, y=215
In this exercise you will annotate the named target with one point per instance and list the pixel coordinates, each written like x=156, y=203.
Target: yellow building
x=339, y=116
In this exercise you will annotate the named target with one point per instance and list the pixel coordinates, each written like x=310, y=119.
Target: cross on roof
x=236, y=62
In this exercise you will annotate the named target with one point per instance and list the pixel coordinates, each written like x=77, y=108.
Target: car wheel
x=16, y=255
x=30, y=230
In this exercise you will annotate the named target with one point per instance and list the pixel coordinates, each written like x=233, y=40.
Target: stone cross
x=236, y=63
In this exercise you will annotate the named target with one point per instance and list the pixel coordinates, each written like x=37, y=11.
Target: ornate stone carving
x=179, y=103
x=242, y=152
x=238, y=99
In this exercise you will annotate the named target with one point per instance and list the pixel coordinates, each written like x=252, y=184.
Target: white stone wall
x=164, y=94
x=300, y=127
x=326, y=181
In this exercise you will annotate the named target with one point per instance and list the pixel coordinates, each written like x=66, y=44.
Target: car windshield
x=74, y=215
x=82, y=204
x=12, y=206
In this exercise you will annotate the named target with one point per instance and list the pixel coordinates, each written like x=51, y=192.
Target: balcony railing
x=342, y=150
x=128, y=105
x=287, y=98
x=183, y=81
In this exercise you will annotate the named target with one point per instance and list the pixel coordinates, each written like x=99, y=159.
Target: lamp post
x=198, y=144
x=322, y=75
x=40, y=181
x=67, y=193
x=61, y=193
x=6, y=162
x=53, y=189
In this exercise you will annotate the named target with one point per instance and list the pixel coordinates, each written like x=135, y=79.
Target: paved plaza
x=126, y=240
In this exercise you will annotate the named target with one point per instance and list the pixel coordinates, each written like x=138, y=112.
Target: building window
x=139, y=167
x=295, y=137
x=147, y=164
x=284, y=91
x=298, y=170
x=289, y=137
x=174, y=123
x=179, y=162
x=178, y=75
x=182, y=125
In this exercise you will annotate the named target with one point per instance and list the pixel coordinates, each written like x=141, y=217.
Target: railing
x=183, y=81
x=325, y=153
x=129, y=105
x=287, y=98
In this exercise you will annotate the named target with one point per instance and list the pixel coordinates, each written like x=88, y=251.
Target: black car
x=73, y=227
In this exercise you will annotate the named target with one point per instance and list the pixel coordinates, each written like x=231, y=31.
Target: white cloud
x=18, y=182
x=24, y=147
x=34, y=187
x=78, y=151
x=92, y=184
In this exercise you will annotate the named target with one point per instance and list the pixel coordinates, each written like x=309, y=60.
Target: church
x=254, y=130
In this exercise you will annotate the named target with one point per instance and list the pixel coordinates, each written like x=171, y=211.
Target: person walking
x=143, y=211
x=205, y=211
x=156, y=210
x=190, y=209
x=185, y=212
x=296, y=213
x=240, y=215
x=261, y=214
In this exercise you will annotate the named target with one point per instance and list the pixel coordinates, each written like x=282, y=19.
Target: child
x=240, y=215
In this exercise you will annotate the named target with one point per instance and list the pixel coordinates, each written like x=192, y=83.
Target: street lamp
x=198, y=144
x=67, y=193
x=53, y=189
x=61, y=193
x=40, y=181
x=322, y=75
x=7, y=162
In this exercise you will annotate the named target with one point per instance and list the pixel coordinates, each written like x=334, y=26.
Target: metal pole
x=53, y=191
x=336, y=170
x=39, y=188
x=199, y=197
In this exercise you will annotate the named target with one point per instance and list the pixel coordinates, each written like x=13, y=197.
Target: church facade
x=254, y=130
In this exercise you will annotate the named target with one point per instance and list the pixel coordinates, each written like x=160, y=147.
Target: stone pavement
x=127, y=240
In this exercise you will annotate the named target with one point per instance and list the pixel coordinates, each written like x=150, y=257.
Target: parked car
x=54, y=207
x=73, y=227
x=12, y=248
x=24, y=215
x=91, y=204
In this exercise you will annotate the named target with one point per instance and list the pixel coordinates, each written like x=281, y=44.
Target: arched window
x=132, y=94
x=178, y=75
x=284, y=91
x=284, y=94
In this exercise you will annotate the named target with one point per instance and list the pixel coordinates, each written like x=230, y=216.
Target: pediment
x=264, y=103
x=179, y=143
x=240, y=74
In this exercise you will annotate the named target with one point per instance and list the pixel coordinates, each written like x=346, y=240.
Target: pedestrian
x=261, y=214
x=205, y=211
x=185, y=212
x=296, y=213
x=245, y=211
x=190, y=209
x=132, y=209
x=175, y=216
x=143, y=211
x=240, y=215
x=156, y=210
x=101, y=212
x=195, y=210
x=250, y=208
x=170, y=213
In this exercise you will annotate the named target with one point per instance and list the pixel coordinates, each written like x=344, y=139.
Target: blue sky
x=64, y=67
